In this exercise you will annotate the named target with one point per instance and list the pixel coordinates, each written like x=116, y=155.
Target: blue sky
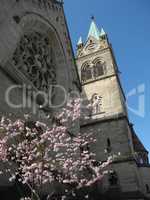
x=127, y=23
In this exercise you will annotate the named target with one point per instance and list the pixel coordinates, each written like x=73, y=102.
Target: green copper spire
x=102, y=32
x=80, y=41
x=94, y=31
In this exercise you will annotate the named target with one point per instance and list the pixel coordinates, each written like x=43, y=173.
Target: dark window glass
x=86, y=73
x=108, y=142
x=108, y=145
x=98, y=69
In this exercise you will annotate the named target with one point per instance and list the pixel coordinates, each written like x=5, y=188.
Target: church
x=35, y=52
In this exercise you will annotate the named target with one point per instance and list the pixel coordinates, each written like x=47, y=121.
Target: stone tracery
x=34, y=58
x=92, y=70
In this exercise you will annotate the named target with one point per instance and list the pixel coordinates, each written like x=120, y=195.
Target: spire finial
x=102, y=32
x=94, y=31
x=93, y=17
x=80, y=42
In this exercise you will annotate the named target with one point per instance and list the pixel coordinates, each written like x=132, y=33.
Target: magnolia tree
x=41, y=156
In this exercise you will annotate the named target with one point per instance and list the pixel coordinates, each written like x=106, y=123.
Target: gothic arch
x=99, y=67
x=86, y=72
x=33, y=26
x=34, y=58
x=34, y=22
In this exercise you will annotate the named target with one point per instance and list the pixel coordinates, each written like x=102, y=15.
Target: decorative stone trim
x=55, y=5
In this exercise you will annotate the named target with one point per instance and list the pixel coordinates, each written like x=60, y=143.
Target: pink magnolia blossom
x=44, y=154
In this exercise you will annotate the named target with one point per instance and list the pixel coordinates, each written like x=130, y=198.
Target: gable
x=92, y=45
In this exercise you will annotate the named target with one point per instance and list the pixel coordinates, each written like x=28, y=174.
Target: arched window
x=108, y=142
x=108, y=145
x=86, y=73
x=98, y=68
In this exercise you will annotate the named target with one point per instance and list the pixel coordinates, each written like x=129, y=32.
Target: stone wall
x=19, y=18
x=145, y=178
x=132, y=179
x=116, y=131
x=108, y=89
x=15, y=97
x=128, y=178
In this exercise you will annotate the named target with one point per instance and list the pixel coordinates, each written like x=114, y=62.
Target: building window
x=142, y=158
x=113, y=178
x=98, y=69
x=108, y=142
x=86, y=73
x=108, y=145
x=93, y=71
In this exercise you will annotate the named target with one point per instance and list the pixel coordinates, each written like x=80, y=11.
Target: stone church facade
x=35, y=52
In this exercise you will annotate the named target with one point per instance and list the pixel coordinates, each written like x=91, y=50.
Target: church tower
x=108, y=119
x=99, y=74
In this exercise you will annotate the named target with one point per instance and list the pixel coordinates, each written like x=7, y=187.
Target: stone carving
x=96, y=102
x=34, y=58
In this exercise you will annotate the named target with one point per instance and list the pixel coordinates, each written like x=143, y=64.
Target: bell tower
x=99, y=74
x=108, y=119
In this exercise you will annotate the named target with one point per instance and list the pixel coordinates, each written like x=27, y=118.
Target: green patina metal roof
x=80, y=41
x=102, y=32
x=94, y=31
